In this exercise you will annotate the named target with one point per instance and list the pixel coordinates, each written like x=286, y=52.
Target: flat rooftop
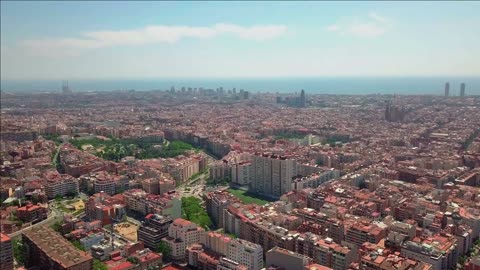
x=56, y=247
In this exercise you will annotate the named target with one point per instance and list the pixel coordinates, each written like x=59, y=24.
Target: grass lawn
x=246, y=197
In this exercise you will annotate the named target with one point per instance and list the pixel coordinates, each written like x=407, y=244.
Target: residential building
x=181, y=234
x=32, y=213
x=166, y=185
x=47, y=249
x=6, y=252
x=241, y=173
x=272, y=175
x=333, y=255
x=238, y=250
x=60, y=185
x=440, y=251
x=151, y=186
x=103, y=207
x=286, y=259
x=245, y=253
x=227, y=264
x=153, y=229
x=92, y=239
x=216, y=202
x=360, y=233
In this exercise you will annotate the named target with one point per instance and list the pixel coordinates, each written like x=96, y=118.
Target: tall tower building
x=272, y=175
x=447, y=89
x=462, y=89
x=302, y=99
x=65, y=88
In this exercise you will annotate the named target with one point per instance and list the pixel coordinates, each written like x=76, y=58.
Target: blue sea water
x=323, y=85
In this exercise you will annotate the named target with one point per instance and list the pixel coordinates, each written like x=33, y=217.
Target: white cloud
x=377, y=17
x=333, y=28
x=366, y=29
x=156, y=34
x=373, y=26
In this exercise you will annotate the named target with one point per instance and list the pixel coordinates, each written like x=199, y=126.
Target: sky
x=135, y=40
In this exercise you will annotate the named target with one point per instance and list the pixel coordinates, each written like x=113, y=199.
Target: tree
x=164, y=249
x=71, y=194
x=78, y=245
x=133, y=260
x=98, y=265
x=19, y=251
x=57, y=226
x=192, y=210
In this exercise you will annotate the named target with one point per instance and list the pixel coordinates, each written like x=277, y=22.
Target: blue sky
x=131, y=40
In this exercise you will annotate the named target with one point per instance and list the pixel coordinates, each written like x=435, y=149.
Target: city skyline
x=237, y=40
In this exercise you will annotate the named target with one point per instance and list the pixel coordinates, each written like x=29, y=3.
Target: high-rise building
x=241, y=173
x=238, y=250
x=462, y=89
x=61, y=186
x=393, y=112
x=246, y=253
x=272, y=175
x=181, y=234
x=153, y=229
x=65, y=88
x=46, y=249
x=447, y=89
x=302, y=99
x=216, y=202
x=6, y=252
x=151, y=186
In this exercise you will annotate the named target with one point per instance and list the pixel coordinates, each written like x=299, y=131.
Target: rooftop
x=56, y=247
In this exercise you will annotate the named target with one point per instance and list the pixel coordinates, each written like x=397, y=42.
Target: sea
x=311, y=85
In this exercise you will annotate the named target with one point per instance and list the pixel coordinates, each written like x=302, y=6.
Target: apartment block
x=333, y=255
x=360, y=233
x=60, y=185
x=245, y=253
x=32, y=213
x=6, y=252
x=216, y=203
x=153, y=229
x=227, y=264
x=47, y=249
x=440, y=251
x=103, y=207
x=181, y=234
x=286, y=259
x=241, y=173
x=314, y=180
x=272, y=174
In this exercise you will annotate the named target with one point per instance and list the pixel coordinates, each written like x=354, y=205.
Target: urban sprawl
x=228, y=179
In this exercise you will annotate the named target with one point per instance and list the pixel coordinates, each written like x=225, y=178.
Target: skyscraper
x=302, y=99
x=447, y=89
x=272, y=175
x=393, y=112
x=462, y=89
x=65, y=88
